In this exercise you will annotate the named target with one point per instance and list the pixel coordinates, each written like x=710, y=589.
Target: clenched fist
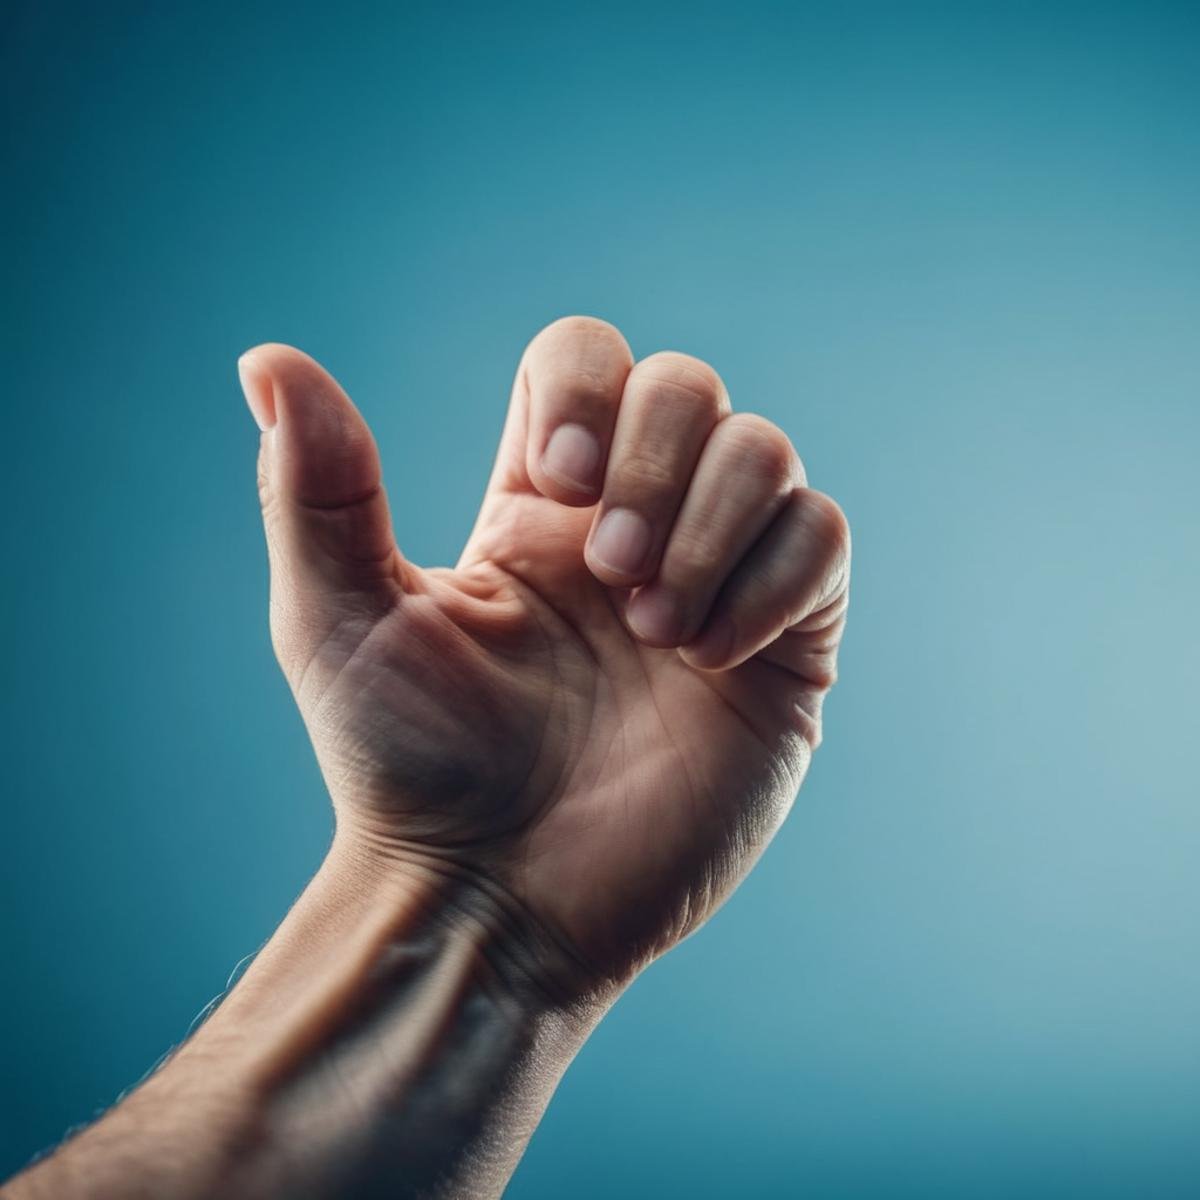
x=585, y=732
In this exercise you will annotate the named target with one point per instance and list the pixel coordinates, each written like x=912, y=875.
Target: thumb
x=329, y=535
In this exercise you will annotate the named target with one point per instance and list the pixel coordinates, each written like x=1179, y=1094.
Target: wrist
x=452, y=899
x=402, y=1019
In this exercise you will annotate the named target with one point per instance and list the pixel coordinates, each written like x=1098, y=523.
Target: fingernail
x=714, y=645
x=621, y=541
x=654, y=616
x=260, y=395
x=572, y=458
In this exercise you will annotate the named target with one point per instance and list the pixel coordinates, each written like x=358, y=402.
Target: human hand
x=548, y=765
x=588, y=729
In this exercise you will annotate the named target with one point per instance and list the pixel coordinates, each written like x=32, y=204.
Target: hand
x=548, y=765
x=590, y=727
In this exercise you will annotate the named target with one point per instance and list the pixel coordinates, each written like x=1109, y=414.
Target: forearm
x=385, y=1041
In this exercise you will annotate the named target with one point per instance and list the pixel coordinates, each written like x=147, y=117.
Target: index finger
x=564, y=406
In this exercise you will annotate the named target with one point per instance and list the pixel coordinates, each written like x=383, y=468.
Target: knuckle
x=760, y=447
x=645, y=475
x=670, y=375
x=691, y=555
x=822, y=626
x=825, y=521
x=267, y=496
x=827, y=533
x=574, y=386
x=760, y=583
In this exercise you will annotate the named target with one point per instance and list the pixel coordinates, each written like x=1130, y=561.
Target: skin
x=549, y=764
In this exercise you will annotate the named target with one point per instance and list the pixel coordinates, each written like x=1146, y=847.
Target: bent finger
x=563, y=408
x=669, y=407
x=797, y=569
x=745, y=475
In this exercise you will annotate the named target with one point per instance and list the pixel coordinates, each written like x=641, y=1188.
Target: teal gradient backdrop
x=954, y=250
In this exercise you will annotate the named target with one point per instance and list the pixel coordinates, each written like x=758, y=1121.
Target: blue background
x=954, y=250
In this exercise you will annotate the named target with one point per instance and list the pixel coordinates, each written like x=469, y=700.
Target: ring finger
x=744, y=477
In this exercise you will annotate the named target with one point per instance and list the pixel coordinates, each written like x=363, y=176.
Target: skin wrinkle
x=392, y=1057
x=510, y=570
x=554, y=657
x=328, y=510
x=556, y=788
x=347, y=661
x=501, y=903
x=532, y=818
x=715, y=808
x=454, y=869
x=328, y=639
x=412, y=631
x=355, y=500
x=515, y=576
x=710, y=383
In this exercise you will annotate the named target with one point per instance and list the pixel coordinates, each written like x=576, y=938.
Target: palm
x=512, y=723
x=500, y=723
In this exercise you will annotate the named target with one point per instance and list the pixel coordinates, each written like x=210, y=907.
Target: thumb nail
x=260, y=395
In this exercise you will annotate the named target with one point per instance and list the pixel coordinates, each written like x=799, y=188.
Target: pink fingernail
x=654, y=616
x=572, y=458
x=621, y=541
x=713, y=647
x=260, y=395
